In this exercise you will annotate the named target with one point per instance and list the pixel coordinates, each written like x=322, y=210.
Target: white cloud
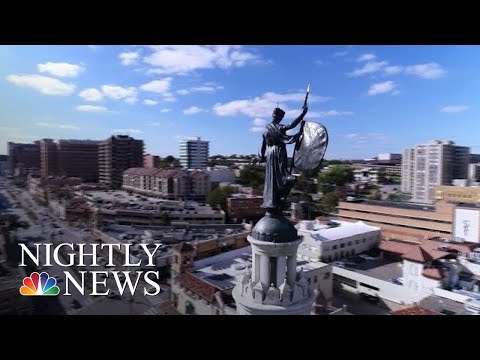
x=46, y=85
x=340, y=53
x=381, y=88
x=333, y=113
x=156, y=123
x=131, y=100
x=351, y=136
x=128, y=131
x=91, y=108
x=258, y=125
x=454, y=108
x=259, y=122
x=366, y=138
x=57, y=126
x=366, y=57
x=93, y=47
x=369, y=68
x=119, y=92
x=392, y=70
x=150, y=102
x=182, y=59
x=157, y=86
x=426, y=71
x=165, y=110
x=91, y=94
x=193, y=110
x=262, y=106
x=169, y=98
x=320, y=62
x=129, y=58
x=60, y=69
x=201, y=89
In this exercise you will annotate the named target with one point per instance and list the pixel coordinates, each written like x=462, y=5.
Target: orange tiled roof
x=198, y=286
x=414, y=310
x=433, y=273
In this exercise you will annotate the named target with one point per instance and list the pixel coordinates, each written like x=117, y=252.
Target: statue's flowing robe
x=277, y=184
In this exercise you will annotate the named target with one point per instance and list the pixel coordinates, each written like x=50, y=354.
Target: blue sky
x=372, y=99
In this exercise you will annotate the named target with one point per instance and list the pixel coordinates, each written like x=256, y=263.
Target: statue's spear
x=306, y=95
x=299, y=141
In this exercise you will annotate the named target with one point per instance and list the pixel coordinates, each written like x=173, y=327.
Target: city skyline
x=373, y=99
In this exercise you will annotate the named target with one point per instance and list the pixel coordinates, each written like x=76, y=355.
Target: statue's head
x=278, y=115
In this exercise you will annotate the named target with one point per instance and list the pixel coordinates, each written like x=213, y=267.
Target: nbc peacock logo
x=39, y=285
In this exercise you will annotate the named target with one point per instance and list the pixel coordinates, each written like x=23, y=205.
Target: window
x=357, y=242
x=326, y=276
x=315, y=279
x=349, y=243
x=342, y=246
x=369, y=286
x=364, y=240
x=334, y=247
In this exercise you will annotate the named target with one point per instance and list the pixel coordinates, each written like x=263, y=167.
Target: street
x=356, y=304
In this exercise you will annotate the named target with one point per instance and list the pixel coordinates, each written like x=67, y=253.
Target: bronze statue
x=278, y=179
x=310, y=145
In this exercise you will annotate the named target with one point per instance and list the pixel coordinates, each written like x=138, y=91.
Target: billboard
x=467, y=225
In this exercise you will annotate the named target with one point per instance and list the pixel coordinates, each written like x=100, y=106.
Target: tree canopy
x=218, y=196
x=336, y=175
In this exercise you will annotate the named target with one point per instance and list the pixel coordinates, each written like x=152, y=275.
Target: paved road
x=356, y=304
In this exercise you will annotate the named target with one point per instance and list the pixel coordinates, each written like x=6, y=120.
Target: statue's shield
x=311, y=148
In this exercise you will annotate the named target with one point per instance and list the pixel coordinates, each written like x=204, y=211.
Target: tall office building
x=408, y=166
x=194, y=154
x=431, y=164
x=117, y=154
x=48, y=158
x=23, y=156
x=78, y=158
x=72, y=158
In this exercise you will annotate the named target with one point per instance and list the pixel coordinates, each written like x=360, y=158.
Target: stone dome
x=275, y=229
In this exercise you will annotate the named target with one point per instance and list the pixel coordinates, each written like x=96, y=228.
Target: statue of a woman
x=278, y=180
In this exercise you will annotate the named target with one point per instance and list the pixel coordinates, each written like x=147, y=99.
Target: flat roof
x=224, y=270
x=443, y=305
x=394, y=204
x=121, y=200
x=329, y=232
x=380, y=269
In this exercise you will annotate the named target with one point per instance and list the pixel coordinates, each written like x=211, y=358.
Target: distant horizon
x=372, y=99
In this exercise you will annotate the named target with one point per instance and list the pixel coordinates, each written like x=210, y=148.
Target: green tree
x=305, y=183
x=329, y=201
x=218, y=196
x=336, y=175
x=252, y=176
x=375, y=194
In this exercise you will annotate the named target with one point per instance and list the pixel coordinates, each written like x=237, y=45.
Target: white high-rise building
x=431, y=164
x=194, y=153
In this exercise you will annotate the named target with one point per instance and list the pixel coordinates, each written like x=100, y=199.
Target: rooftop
x=443, y=305
x=334, y=229
x=398, y=205
x=429, y=250
x=380, y=269
x=121, y=200
x=223, y=270
x=414, y=310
